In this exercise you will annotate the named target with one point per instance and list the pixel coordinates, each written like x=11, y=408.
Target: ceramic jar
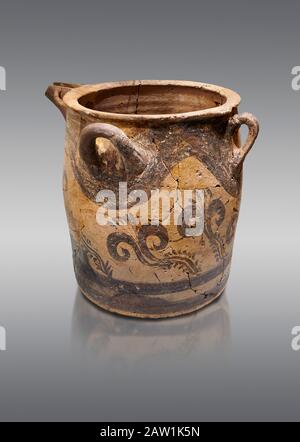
x=151, y=136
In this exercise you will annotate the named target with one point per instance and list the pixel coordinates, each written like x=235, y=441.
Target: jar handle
x=135, y=157
x=56, y=91
x=234, y=123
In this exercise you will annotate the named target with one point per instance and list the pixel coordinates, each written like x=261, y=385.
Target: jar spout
x=56, y=91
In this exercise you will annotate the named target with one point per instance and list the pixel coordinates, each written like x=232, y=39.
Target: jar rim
x=230, y=101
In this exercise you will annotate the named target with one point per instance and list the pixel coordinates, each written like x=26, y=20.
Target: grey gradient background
x=66, y=360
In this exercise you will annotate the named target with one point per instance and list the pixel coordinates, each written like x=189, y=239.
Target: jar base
x=150, y=300
x=170, y=310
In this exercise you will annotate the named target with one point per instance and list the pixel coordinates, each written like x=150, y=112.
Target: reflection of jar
x=151, y=135
x=110, y=336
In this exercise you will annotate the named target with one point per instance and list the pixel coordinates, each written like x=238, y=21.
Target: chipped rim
x=232, y=100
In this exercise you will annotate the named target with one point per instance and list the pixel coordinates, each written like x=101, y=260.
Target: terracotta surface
x=152, y=134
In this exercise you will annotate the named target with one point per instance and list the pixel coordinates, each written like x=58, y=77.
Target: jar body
x=155, y=270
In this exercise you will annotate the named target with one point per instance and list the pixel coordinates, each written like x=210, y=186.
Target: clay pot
x=173, y=135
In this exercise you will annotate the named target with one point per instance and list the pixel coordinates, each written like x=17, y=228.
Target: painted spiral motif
x=151, y=240
x=118, y=243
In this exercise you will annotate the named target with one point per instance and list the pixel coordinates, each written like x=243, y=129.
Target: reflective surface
x=129, y=341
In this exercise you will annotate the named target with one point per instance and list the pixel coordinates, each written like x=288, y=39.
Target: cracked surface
x=162, y=273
